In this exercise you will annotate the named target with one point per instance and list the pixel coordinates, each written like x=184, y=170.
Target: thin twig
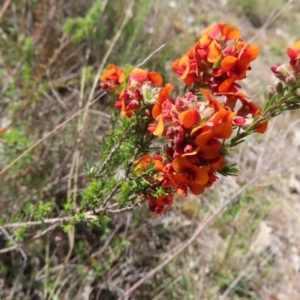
x=36, y=223
x=54, y=92
x=149, y=56
x=4, y=9
x=107, y=242
x=37, y=236
x=271, y=19
x=127, y=208
x=17, y=246
x=100, y=113
x=87, y=215
x=108, y=197
x=10, y=238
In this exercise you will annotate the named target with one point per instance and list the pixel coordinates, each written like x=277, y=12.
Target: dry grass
x=251, y=252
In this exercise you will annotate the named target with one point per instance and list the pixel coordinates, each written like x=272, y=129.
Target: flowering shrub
x=198, y=129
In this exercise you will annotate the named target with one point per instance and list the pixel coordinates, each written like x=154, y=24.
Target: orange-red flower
x=207, y=49
x=236, y=66
x=221, y=32
x=139, y=93
x=191, y=175
x=218, y=125
x=163, y=178
x=159, y=204
x=185, y=67
x=140, y=76
x=163, y=174
x=208, y=146
x=215, y=165
x=112, y=78
x=144, y=162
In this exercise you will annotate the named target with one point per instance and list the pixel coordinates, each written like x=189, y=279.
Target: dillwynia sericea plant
x=161, y=145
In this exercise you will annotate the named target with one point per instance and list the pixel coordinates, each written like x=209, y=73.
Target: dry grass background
x=252, y=251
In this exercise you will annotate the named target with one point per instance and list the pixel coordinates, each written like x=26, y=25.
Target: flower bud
x=238, y=121
x=133, y=104
x=147, y=113
x=271, y=89
x=125, y=94
x=279, y=87
x=270, y=92
x=287, y=96
x=118, y=104
x=282, y=71
x=290, y=81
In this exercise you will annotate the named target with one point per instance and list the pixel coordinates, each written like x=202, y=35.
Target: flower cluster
x=112, y=78
x=196, y=128
x=217, y=60
x=139, y=92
